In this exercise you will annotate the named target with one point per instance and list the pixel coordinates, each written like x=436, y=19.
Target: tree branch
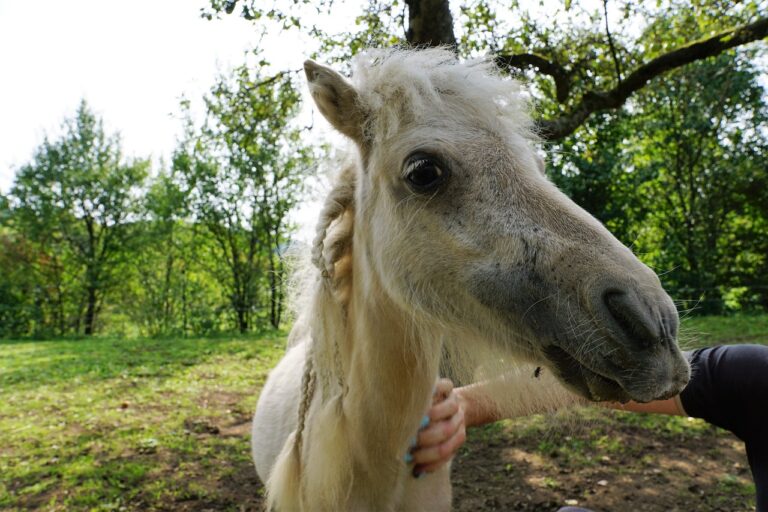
x=595, y=101
x=559, y=74
x=615, y=57
x=273, y=78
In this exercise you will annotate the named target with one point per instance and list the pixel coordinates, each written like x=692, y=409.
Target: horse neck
x=390, y=369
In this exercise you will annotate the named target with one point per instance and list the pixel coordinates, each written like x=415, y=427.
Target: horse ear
x=336, y=98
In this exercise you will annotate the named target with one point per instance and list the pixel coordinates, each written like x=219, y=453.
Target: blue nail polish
x=408, y=458
x=412, y=442
x=424, y=421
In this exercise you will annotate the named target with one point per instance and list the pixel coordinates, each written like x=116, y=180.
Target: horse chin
x=582, y=380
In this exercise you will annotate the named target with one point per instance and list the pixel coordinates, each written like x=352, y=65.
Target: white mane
x=432, y=82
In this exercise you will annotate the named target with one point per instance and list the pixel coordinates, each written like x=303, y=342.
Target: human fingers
x=442, y=440
x=443, y=388
x=444, y=410
x=445, y=453
x=436, y=433
x=431, y=421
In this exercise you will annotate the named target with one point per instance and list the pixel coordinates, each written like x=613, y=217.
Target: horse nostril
x=632, y=321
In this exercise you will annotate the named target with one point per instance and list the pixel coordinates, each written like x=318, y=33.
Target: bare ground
x=621, y=467
x=607, y=464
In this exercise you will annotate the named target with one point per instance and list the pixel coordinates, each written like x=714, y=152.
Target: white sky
x=131, y=60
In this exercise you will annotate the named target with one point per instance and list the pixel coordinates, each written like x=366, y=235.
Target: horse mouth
x=583, y=380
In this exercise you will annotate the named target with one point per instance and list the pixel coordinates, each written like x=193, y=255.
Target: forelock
x=397, y=86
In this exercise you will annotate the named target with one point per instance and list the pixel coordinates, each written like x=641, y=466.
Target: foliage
x=705, y=148
x=91, y=241
x=197, y=248
x=670, y=120
x=19, y=292
x=678, y=176
x=72, y=207
x=587, y=57
x=243, y=171
x=170, y=291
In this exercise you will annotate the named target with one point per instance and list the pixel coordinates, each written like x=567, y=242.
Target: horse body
x=442, y=236
x=275, y=416
x=276, y=419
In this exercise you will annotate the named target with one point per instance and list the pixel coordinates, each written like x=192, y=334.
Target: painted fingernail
x=408, y=458
x=412, y=442
x=424, y=421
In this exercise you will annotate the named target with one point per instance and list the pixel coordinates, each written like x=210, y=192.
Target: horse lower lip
x=583, y=378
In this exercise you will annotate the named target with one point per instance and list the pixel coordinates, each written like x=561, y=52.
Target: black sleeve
x=729, y=388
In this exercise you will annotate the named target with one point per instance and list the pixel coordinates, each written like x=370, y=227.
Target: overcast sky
x=131, y=60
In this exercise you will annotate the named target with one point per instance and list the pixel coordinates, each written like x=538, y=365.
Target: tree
x=700, y=136
x=244, y=170
x=75, y=200
x=584, y=58
x=680, y=175
x=19, y=294
x=156, y=295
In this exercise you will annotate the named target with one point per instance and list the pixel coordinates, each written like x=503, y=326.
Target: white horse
x=442, y=235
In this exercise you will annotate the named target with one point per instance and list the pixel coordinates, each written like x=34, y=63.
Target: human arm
x=670, y=406
x=455, y=410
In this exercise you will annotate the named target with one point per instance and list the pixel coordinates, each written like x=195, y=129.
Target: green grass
x=718, y=330
x=95, y=424
x=144, y=424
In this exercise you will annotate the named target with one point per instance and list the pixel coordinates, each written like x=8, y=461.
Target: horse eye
x=424, y=173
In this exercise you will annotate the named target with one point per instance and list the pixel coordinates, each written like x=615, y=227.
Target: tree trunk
x=90, y=312
x=167, y=297
x=280, y=273
x=60, y=320
x=242, y=319
x=184, y=322
x=273, y=298
x=430, y=23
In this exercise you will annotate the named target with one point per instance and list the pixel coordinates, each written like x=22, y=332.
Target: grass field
x=108, y=424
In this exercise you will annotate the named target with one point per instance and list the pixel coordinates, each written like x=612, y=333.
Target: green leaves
x=73, y=203
x=675, y=175
x=244, y=172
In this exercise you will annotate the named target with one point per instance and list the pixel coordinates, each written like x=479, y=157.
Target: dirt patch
x=201, y=426
x=605, y=467
x=242, y=429
x=238, y=489
x=628, y=468
x=220, y=399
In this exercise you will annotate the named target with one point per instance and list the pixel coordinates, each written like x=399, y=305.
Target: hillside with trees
x=652, y=116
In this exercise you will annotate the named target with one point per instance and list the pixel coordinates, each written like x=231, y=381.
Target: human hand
x=443, y=431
